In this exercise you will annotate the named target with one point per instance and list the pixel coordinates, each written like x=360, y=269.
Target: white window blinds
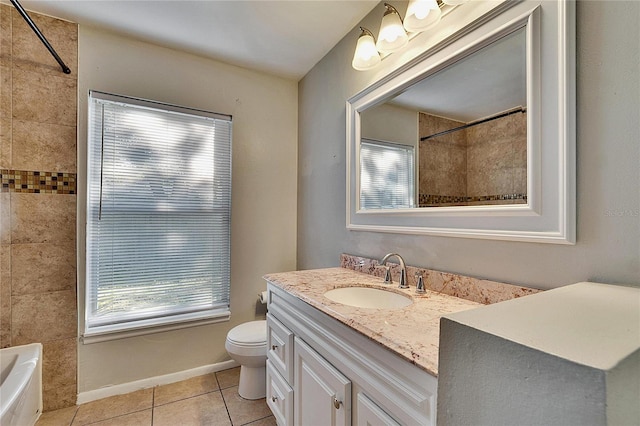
x=158, y=214
x=387, y=175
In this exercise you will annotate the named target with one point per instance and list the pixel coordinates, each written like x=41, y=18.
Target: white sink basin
x=367, y=297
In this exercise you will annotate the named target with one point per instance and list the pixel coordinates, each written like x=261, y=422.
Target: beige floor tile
x=141, y=418
x=267, y=421
x=185, y=389
x=243, y=411
x=114, y=406
x=207, y=409
x=62, y=417
x=228, y=378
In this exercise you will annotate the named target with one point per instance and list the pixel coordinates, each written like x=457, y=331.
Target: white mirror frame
x=549, y=215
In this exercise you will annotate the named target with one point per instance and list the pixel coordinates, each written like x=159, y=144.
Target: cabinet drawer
x=280, y=348
x=279, y=396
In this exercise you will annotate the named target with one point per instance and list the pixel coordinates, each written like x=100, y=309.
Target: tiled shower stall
x=38, y=125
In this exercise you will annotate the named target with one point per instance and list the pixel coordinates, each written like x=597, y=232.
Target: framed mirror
x=474, y=137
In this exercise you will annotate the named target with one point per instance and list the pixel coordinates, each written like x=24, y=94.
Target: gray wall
x=608, y=159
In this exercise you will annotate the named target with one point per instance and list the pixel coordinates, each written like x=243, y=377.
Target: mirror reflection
x=455, y=138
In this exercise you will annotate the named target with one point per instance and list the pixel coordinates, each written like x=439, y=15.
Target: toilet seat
x=249, y=334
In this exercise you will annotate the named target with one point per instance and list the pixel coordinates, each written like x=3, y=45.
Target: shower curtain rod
x=474, y=123
x=41, y=36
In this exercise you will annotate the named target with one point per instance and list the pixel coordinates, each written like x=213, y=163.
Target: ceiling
x=489, y=81
x=285, y=38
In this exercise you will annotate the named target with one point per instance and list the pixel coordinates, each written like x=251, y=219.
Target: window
x=387, y=175
x=158, y=214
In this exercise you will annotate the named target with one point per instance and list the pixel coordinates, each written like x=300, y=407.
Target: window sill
x=105, y=334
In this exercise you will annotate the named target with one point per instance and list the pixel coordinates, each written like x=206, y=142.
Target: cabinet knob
x=274, y=347
x=336, y=403
x=274, y=398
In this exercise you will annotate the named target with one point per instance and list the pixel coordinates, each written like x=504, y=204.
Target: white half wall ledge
x=123, y=388
x=570, y=355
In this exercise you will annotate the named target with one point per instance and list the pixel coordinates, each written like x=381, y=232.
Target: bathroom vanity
x=330, y=363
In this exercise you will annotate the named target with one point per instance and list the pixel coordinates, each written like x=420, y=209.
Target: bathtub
x=20, y=385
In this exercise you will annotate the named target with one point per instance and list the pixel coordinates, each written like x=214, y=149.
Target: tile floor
x=206, y=400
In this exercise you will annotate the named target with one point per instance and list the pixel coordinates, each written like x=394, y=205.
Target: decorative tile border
x=425, y=200
x=463, y=287
x=36, y=182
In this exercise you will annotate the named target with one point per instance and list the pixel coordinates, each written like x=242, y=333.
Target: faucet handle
x=387, y=275
x=403, y=279
x=420, y=284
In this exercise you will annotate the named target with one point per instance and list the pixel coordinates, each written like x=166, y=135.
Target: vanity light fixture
x=392, y=34
x=395, y=33
x=366, y=55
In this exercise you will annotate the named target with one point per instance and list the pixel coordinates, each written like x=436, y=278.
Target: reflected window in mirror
x=387, y=175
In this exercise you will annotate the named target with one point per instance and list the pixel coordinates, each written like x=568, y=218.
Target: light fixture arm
x=390, y=9
x=366, y=32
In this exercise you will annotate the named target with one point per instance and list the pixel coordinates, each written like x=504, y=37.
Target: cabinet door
x=322, y=393
x=369, y=414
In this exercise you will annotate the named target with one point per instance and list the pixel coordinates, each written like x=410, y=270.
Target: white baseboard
x=92, y=395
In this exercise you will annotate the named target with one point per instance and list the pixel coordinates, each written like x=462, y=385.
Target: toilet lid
x=253, y=332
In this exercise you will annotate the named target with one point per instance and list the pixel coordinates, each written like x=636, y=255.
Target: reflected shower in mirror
x=466, y=127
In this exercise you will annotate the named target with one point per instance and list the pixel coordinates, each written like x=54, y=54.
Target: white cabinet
x=322, y=393
x=317, y=366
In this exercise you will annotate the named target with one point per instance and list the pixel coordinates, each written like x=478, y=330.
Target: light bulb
x=366, y=55
x=421, y=15
x=454, y=2
x=392, y=35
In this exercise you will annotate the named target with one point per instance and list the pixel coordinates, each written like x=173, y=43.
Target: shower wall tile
x=5, y=117
x=520, y=154
x=43, y=218
x=493, y=154
x=5, y=85
x=5, y=295
x=30, y=54
x=40, y=268
x=431, y=124
x=43, y=317
x=59, y=397
x=496, y=151
x=490, y=181
x=59, y=373
x=443, y=159
x=520, y=180
x=5, y=218
x=44, y=98
x=43, y=146
x=6, y=39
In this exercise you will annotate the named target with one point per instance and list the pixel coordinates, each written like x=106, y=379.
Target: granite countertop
x=411, y=332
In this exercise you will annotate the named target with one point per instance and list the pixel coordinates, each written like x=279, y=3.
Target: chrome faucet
x=403, y=270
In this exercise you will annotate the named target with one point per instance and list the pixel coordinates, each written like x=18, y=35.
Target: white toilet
x=247, y=344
